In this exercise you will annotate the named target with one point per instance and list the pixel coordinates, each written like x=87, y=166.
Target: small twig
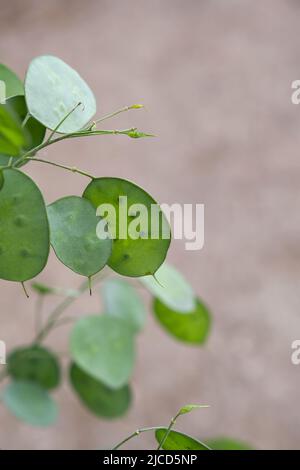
x=69, y=168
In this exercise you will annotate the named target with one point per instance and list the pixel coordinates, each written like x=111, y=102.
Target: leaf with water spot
x=24, y=229
x=142, y=233
x=73, y=224
x=53, y=89
x=192, y=327
x=30, y=402
x=97, y=397
x=103, y=347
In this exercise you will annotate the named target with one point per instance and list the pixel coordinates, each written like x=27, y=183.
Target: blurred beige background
x=215, y=77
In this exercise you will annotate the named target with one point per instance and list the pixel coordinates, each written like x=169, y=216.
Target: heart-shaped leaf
x=53, y=89
x=35, y=364
x=24, y=230
x=103, y=347
x=136, y=251
x=30, y=402
x=178, y=441
x=73, y=224
x=171, y=288
x=192, y=327
x=121, y=300
x=97, y=397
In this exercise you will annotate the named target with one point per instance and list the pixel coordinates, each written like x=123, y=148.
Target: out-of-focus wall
x=215, y=77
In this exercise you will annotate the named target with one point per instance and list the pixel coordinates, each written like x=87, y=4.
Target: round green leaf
x=73, y=224
x=13, y=138
x=121, y=300
x=35, y=130
x=103, y=347
x=53, y=89
x=130, y=257
x=97, y=397
x=171, y=288
x=35, y=364
x=225, y=443
x=13, y=85
x=178, y=441
x=192, y=327
x=31, y=403
x=24, y=230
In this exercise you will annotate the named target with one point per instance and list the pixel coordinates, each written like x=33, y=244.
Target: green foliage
x=126, y=256
x=14, y=86
x=53, y=89
x=171, y=288
x=103, y=347
x=30, y=402
x=73, y=225
x=97, y=397
x=121, y=300
x=59, y=103
x=178, y=441
x=13, y=137
x=24, y=230
x=36, y=364
x=192, y=327
x=225, y=443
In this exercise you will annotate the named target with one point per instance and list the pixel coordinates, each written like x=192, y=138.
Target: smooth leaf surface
x=103, y=347
x=35, y=131
x=225, y=443
x=53, y=89
x=13, y=138
x=73, y=224
x=178, y=441
x=121, y=300
x=24, y=230
x=130, y=257
x=171, y=288
x=190, y=327
x=35, y=364
x=13, y=85
x=97, y=397
x=31, y=403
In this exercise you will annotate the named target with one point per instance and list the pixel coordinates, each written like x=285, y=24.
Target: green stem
x=61, y=122
x=172, y=422
x=134, y=434
x=59, y=310
x=69, y=168
x=115, y=113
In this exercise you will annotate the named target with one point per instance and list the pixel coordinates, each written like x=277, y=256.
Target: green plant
x=55, y=104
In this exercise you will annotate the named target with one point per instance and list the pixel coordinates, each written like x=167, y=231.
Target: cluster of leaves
x=55, y=104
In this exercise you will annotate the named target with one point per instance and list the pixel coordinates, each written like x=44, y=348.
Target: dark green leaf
x=73, y=225
x=13, y=84
x=30, y=402
x=192, y=327
x=24, y=230
x=121, y=300
x=97, y=397
x=1, y=179
x=103, y=347
x=53, y=89
x=178, y=441
x=131, y=257
x=35, y=364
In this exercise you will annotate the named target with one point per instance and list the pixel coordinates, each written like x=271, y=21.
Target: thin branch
x=69, y=168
